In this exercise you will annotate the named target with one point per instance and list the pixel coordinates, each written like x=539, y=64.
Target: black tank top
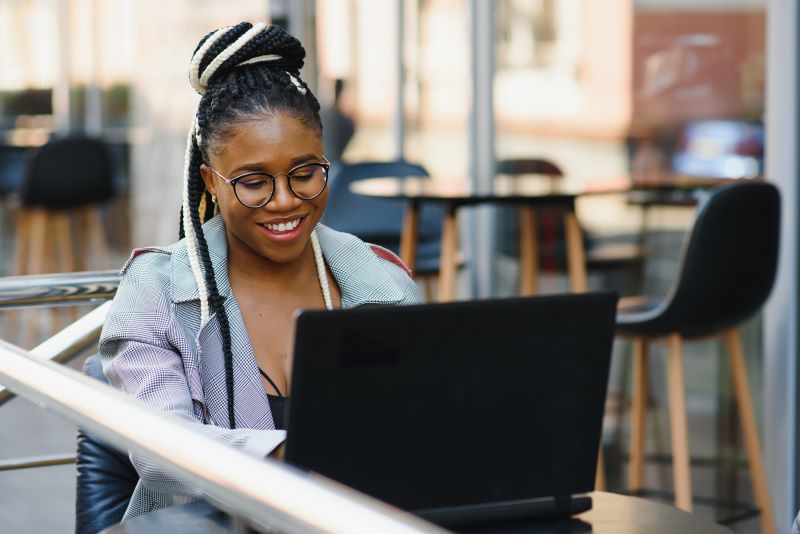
x=277, y=404
x=278, y=407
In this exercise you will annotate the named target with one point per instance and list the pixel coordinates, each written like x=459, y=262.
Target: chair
x=612, y=254
x=106, y=478
x=726, y=273
x=64, y=183
x=380, y=221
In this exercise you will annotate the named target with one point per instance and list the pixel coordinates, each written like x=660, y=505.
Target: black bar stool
x=726, y=273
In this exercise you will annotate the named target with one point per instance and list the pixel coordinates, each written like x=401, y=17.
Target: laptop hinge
x=563, y=505
x=561, y=494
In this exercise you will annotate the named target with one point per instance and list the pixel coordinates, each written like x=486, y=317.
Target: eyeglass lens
x=305, y=182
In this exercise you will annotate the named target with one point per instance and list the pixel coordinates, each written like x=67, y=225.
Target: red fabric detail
x=388, y=255
x=137, y=252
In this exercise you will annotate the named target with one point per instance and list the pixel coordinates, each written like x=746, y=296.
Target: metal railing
x=61, y=290
x=265, y=493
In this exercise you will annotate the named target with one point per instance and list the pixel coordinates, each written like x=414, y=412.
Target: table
x=611, y=514
x=526, y=191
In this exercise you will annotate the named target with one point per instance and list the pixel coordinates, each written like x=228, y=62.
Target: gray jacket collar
x=359, y=272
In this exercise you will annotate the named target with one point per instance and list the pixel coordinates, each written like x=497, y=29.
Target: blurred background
x=608, y=90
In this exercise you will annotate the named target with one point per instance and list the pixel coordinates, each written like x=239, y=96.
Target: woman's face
x=280, y=230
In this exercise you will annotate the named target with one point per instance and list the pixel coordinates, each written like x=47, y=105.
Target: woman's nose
x=283, y=198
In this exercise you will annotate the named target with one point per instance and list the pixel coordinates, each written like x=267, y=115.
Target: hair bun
x=225, y=49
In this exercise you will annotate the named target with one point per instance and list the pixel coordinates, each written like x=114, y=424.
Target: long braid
x=214, y=298
x=243, y=72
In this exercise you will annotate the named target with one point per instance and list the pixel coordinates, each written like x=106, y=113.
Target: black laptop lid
x=453, y=404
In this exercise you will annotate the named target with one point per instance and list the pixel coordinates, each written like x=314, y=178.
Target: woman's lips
x=287, y=230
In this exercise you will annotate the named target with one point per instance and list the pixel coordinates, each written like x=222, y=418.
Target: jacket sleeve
x=139, y=358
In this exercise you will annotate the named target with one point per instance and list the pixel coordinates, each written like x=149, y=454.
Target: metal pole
x=61, y=88
x=93, y=117
x=399, y=122
x=62, y=289
x=266, y=492
x=482, y=153
x=781, y=313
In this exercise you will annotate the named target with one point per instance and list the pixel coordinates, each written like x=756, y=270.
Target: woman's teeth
x=283, y=227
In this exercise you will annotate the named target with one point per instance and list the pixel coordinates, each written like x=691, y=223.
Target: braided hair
x=243, y=72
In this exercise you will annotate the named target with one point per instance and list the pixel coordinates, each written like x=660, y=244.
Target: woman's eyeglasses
x=255, y=189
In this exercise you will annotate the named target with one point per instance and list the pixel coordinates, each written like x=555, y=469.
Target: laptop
x=462, y=413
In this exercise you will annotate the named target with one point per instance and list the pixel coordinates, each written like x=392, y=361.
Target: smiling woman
x=203, y=328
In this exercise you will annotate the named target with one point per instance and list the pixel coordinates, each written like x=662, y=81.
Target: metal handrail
x=267, y=493
x=58, y=289
x=69, y=342
x=61, y=289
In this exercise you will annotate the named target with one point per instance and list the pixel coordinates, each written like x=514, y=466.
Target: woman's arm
x=155, y=375
x=140, y=355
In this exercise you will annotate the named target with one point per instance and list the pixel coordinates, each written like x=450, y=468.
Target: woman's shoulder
x=367, y=269
x=147, y=270
x=338, y=245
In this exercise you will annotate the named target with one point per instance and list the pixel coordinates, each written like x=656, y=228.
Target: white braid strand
x=261, y=59
x=321, y=274
x=229, y=51
x=197, y=58
x=191, y=238
x=296, y=83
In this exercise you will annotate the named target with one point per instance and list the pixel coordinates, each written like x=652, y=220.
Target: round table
x=610, y=514
x=525, y=191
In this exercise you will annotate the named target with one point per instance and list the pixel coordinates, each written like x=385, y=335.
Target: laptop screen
x=453, y=404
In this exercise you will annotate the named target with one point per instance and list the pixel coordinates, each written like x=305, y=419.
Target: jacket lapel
x=251, y=406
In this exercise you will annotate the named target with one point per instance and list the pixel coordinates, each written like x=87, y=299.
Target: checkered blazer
x=153, y=348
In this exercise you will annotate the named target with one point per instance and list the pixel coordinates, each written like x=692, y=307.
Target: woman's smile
x=283, y=230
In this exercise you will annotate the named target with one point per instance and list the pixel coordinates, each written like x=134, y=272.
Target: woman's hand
x=278, y=452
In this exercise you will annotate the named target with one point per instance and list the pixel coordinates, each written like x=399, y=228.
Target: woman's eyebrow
x=262, y=167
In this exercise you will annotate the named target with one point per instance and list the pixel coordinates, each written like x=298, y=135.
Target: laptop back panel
x=453, y=404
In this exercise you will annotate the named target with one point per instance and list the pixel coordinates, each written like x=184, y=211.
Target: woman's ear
x=208, y=179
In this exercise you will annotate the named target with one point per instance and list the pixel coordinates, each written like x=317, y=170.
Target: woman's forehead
x=275, y=138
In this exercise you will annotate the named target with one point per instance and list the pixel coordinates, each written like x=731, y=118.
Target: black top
x=277, y=403
x=278, y=407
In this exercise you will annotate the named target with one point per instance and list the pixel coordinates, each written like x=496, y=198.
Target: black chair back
x=68, y=173
x=728, y=263
x=375, y=220
x=106, y=477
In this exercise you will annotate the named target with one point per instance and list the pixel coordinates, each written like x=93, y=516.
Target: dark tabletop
x=530, y=188
x=535, y=188
x=611, y=514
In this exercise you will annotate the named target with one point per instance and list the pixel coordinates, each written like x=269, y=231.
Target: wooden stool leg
x=81, y=219
x=576, y=257
x=747, y=417
x=36, y=262
x=97, y=238
x=447, y=261
x=600, y=472
x=678, y=424
x=21, y=242
x=410, y=235
x=639, y=416
x=54, y=263
x=528, y=253
x=65, y=250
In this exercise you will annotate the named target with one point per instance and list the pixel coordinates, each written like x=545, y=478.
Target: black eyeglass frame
x=325, y=164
